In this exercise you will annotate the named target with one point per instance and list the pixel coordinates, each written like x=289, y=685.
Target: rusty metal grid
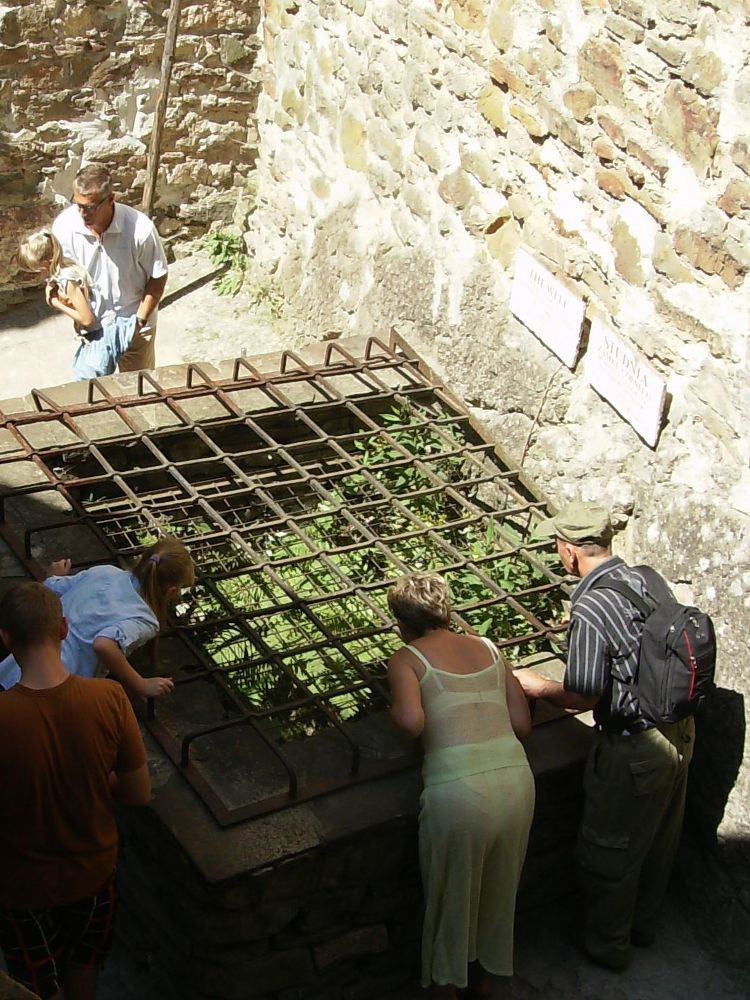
x=302, y=494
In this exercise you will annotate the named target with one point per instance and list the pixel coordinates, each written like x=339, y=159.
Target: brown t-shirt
x=58, y=746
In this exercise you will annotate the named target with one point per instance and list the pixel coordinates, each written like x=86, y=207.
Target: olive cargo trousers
x=634, y=790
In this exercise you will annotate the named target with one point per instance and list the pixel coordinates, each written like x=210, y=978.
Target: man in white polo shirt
x=121, y=250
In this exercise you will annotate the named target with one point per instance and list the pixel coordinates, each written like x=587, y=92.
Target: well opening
x=302, y=495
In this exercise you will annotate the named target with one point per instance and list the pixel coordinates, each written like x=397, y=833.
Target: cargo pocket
x=603, y=854
x=648, y=776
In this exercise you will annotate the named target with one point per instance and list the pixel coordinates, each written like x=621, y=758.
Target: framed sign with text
x=626, y=380
x=547, y=307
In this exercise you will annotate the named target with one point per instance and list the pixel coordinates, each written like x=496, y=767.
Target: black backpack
x=677, y=657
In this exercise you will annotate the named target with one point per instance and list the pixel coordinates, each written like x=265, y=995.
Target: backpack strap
x=621, y=588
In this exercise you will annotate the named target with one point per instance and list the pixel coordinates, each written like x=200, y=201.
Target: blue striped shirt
x=604, y=642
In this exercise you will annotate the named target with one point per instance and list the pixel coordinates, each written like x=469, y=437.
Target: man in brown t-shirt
x=70, y=748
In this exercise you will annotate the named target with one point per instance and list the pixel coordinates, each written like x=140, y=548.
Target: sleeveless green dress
x=476, y=811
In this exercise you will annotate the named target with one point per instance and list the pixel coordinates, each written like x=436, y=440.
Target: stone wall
x=408, y=149
x=78, y=83
x=331, y=916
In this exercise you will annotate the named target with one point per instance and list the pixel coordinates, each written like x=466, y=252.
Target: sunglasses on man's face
x=87, y=208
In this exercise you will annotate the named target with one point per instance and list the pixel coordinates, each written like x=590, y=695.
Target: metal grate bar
x=303, y=493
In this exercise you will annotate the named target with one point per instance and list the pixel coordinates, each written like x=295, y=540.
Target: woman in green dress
x=460, y=696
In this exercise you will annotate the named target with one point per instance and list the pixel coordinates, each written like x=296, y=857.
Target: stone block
x=649, y=154
x=621, y=27
x=353, y=944
x=9, y=31
x=542, y=61
x=492, y=104
x=638, y=11
x=353, y=139
x=736, y=197
x=711, y=254
x=469, y=14
x=613, y=182
x=503, y=239
x=740, y=153
x=508, y=79
x=612, y=127
x=520, y=205
x=530, y=121
x=554, y=30
x=601, y=289
x=600, y=63
x=690, y=123
x=234, y=53
x=672, y=53
x=603, y=149
x=500, y=23
x=457, y=188
x=628, y=257
x=580, y=100
x=666, y=261
x=477, y=163
x=704, y=71
x=12, y=55
x=561, y=125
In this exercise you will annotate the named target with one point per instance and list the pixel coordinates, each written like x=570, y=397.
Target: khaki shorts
x=142, y=350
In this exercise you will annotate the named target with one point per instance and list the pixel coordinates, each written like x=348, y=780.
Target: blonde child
x=110, y=612
x=69, y=290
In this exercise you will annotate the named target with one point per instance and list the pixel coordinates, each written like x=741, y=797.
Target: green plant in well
x=275, y=606
x=227, y=248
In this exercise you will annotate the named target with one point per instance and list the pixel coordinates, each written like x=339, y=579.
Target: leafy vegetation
x=226, y=248
x=295, y=611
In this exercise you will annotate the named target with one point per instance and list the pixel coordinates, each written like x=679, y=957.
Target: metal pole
x=167, y=61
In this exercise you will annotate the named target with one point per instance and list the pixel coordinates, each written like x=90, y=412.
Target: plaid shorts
x=40, y=944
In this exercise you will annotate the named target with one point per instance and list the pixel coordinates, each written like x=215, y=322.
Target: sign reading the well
x=547, y=307
x=626, y=381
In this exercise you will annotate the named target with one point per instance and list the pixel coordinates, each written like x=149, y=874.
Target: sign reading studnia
x=626, y=381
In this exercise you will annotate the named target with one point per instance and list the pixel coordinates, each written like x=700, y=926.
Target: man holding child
x=120, y=249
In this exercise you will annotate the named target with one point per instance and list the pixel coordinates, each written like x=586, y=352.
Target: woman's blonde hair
x=165, y=564
x=421, y=601
x=40, y=248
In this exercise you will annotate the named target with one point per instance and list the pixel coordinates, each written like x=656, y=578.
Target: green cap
x=580, y=521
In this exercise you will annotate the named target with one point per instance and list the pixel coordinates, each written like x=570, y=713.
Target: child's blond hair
x=163, y=565
x=41, y=247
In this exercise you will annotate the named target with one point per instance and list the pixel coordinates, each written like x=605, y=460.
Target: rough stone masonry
x=407, y=150
x=78, y=83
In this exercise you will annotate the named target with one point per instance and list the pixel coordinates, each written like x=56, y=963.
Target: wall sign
x=626, y=381
x=547, y=307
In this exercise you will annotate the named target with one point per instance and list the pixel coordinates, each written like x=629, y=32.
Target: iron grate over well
x=303, y=490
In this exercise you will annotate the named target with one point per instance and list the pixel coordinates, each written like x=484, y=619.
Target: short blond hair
x=421, y=601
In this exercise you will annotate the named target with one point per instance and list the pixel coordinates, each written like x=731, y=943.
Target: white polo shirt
x=127, y=256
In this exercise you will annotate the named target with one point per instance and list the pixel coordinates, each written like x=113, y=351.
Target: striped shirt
x=604, y=642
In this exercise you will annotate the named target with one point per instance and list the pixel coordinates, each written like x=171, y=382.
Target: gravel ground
x=194, y=325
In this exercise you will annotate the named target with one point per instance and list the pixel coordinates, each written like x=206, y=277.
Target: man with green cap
x=636, y=772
